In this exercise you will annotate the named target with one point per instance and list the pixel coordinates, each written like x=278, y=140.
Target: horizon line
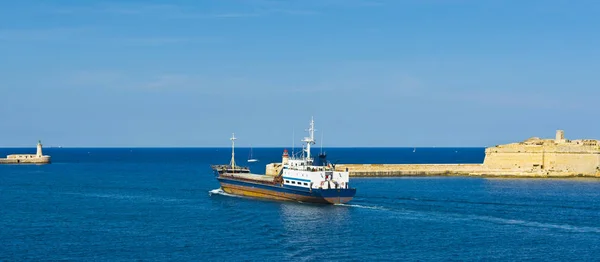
x=228, y=147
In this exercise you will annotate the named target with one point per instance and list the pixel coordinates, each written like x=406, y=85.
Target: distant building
x=38, y=158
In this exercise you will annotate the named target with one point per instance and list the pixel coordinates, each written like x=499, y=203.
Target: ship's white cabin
x=301, y=172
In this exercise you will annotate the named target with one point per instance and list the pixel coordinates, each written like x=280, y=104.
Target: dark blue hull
x=285, y=192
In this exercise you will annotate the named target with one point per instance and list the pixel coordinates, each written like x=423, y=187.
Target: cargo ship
x=299, y=179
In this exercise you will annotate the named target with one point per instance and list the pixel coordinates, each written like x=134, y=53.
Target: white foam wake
x=217, y=191
x=361, y=206
x=565, y=227
x=126, y=197
x=220, y=191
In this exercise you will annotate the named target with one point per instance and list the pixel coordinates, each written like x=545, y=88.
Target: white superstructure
x=301, y=171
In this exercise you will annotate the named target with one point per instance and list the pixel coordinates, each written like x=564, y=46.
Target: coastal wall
x=25, y=160
x=533, y=157
x=409, y=169
x=553, y=158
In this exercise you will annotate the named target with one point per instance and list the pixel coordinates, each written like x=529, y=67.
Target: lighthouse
x=38, y=158
x=285, y=158
x=39, y=149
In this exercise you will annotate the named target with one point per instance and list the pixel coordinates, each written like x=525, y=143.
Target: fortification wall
x=572, y=162
x=546, y=156
x=513, y=161
x=409, y=169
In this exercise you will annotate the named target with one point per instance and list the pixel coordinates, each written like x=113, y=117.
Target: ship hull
x=286, y=193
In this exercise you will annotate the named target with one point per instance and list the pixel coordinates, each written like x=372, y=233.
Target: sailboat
x=250, y=159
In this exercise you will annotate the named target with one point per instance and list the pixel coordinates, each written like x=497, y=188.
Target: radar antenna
x=233, y=150
x=311, y=139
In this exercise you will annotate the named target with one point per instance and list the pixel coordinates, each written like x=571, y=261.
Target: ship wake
x=361, y=206
x=525, y=223
x=220, y=191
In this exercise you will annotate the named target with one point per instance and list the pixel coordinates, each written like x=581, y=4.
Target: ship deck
x=247, y=176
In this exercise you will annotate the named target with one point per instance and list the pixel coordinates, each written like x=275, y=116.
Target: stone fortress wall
x=546, y=156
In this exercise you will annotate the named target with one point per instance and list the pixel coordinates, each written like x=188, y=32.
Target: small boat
x=296, y=179
x=250, y=159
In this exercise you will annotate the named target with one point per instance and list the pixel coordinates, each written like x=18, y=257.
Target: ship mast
x=310, y=140
x=233, y=150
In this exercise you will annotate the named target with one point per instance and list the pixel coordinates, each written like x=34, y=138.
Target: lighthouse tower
x=285, y=158
x=39, y=149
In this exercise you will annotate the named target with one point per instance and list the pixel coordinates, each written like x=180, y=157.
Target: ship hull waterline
x=330, y=196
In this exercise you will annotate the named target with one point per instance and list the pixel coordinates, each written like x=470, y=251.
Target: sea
x=164, y=204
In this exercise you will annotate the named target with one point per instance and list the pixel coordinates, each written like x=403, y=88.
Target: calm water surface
x=156, y=205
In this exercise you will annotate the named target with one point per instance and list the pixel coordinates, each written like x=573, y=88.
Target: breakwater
x=37, y=158
x=383, y=170
x=24, y=160
x=402, y=170
x=534, y=157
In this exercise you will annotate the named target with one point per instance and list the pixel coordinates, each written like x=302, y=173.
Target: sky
x=372, y=73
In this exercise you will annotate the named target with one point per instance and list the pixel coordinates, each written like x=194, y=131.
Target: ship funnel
x=322, y=159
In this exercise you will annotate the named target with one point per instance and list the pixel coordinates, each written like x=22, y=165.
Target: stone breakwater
x=401, y=170
x=533, y=157
x=387, y=170
x=41, y=160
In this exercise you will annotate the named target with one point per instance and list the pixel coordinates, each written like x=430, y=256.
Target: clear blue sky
x=372, y=73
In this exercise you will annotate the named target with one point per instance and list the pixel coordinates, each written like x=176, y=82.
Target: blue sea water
x=155, y=204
